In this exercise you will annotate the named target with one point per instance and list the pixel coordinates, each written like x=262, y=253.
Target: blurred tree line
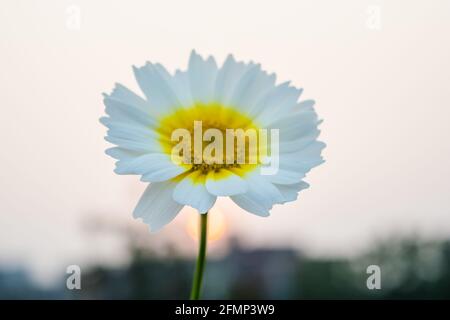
x=410, y=269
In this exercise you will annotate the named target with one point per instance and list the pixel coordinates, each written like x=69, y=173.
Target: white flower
x=236, y=95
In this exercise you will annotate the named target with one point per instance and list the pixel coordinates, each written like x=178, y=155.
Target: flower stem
x=201, y=258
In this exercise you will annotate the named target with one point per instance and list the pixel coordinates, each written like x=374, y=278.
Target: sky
x=378, y=70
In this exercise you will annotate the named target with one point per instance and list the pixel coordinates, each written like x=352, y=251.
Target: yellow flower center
x=212, y=116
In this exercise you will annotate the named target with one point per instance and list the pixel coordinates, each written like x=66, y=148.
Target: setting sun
x=217, y=224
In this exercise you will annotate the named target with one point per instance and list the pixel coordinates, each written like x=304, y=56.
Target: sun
x=217, y=224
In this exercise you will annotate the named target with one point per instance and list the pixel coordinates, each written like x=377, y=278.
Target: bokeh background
x=380, y=74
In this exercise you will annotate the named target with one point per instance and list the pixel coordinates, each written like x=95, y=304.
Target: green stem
x=200, y=266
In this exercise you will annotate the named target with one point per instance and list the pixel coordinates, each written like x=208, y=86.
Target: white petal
x=306, y=105
x=190, y=191
x=181, y=80
x=294, y=166
x=279, y=102
x=202, y=77
x=218, y=185
x=121, y=154
x=306, y=158
x=125, y=131
x=112, y=123
x=119, y=111
x=133, y=145
x=133, y=139
x=290, y=191
x=228, y=78
x=298, y=144
x=261, y=195
x=156, y=206
x=157, y=85
x=253, y=85
x=128, y=137
x=296, y=125
x=154, y=167
x=286, y=176
x=122, y=94
x=250, y=204
x=262, y=188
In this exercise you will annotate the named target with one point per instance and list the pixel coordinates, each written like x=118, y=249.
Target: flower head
x=208, y=132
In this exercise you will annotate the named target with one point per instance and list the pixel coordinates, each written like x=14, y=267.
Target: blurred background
x=379, y=72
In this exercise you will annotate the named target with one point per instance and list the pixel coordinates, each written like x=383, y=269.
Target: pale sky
x=381, y=86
